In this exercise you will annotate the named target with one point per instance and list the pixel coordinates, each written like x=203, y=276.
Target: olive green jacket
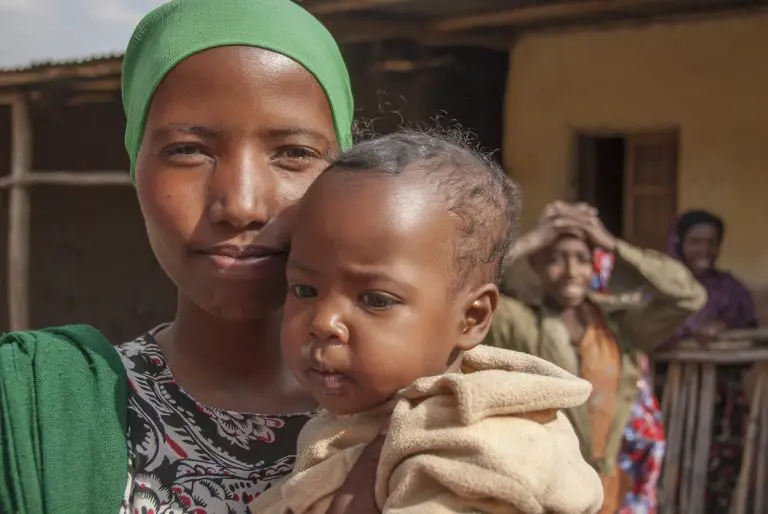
x=654, y=294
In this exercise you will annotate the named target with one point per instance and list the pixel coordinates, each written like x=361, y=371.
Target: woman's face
x=700, y=247
x=233, y=136
x=565, y=270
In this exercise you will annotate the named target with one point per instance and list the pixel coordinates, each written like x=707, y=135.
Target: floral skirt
x=642, y=452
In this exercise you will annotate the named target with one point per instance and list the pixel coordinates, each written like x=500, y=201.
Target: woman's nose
x=569, y=269
x=243, y=192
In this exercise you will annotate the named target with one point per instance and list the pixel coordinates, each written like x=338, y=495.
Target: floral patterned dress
x=187, y=457
x=642, y=452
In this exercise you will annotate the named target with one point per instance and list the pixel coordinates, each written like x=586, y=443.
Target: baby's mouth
x=326, y=378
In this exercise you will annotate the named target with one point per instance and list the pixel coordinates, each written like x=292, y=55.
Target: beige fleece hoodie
x=491, y=439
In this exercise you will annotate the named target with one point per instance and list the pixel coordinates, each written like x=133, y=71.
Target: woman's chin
x=569, y=301
x=571, y=297
x=244, y=304
x=701, y=266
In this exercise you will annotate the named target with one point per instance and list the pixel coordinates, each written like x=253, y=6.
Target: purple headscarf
x=727, y=298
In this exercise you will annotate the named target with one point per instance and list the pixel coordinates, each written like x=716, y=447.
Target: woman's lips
x=702, y=264
x=573, y=291
x=245, y=261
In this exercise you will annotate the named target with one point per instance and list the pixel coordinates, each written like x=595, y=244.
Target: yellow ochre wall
x=709, y=77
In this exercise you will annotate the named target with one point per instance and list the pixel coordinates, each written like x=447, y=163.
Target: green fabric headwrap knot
x=181, y=28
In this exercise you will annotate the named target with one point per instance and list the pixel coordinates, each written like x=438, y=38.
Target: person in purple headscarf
x=696, y=239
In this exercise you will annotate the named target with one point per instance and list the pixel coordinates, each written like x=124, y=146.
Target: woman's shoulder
x=65, y=346
x=514, y=310
x=71, y=358
x=726, y=279
x=514, y=325
x=65, y=393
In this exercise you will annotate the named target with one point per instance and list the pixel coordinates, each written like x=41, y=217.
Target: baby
x=392, y=284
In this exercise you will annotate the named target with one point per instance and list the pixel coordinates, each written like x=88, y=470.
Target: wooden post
x=18, y=216
x=675, y=397
x=691, y=374
x=761, y=479
x=698, y=484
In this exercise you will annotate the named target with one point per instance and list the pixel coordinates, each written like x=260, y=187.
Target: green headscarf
x=181, y=28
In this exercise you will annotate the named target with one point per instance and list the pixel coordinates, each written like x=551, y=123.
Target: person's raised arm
x=671, y=291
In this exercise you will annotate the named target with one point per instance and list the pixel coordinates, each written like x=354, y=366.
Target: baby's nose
x=328, y=325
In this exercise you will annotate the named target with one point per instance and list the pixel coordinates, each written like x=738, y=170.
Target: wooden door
x=650, y=187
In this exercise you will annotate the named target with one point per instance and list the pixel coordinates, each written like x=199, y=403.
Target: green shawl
x=63, y=409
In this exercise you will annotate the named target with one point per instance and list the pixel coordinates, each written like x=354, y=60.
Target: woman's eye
x=182, y=149
x=297, y=158
x=303, y=291
x=554, y=260
x=378, y=301
x=186, y=154
x=299, y=153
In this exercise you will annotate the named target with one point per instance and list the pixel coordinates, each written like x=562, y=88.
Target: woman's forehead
x=242, y=85
x=703, y=229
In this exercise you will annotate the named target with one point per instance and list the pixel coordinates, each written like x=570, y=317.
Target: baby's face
x=370, y=304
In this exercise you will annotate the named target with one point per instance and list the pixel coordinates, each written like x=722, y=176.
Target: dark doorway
x=632, y=180
x=602, y=178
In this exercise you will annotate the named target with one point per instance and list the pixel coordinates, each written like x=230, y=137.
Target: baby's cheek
x=293, y=333
x=399, y=369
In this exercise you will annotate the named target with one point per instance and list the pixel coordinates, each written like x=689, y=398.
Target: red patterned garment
x=187, y=457
x=642, y=452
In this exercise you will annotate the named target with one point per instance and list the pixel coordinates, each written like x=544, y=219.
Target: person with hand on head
x=595, y=336
x=233, y=108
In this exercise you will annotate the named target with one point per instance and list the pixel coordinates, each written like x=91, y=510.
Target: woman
x=595, y=336
x=233, y=107
x=695, y=240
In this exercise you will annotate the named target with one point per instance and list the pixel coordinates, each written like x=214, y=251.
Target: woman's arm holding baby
x=357, y=495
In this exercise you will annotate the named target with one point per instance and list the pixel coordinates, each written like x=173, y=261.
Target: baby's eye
x=377, y=301
x=303, y=291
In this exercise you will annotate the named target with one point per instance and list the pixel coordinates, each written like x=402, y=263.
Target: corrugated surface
x=439, y=9
x=430, y=11
x=35, y=65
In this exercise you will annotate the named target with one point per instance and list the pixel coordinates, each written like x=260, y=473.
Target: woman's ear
x=478, y=314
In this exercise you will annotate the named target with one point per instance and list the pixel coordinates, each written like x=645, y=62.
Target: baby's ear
x=478, y=314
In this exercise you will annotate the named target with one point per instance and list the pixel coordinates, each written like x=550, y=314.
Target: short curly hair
x=485, y=201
